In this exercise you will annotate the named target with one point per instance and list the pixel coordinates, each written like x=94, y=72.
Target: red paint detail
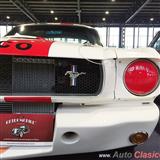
x=40, y=127
x=41, y=38
x=28, y=99
x=141, y=77
x=40, y=47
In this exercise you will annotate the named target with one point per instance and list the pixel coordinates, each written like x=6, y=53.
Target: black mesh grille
x=5, y=75
x=33, y=78
x=5, y=108
x=27, y=108
x=89, y=83
x=33, y=108
x=46, y=76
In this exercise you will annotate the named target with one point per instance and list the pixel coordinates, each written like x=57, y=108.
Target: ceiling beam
x=24, y=10
x=86, y=2
x=137, y=11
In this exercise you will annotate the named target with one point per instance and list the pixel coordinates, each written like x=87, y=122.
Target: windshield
x=73, y=34
x=155, y=43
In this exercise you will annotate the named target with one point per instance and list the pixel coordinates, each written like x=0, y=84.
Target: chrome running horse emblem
x=73, y=75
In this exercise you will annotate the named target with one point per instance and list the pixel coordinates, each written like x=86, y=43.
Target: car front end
x=64, y=98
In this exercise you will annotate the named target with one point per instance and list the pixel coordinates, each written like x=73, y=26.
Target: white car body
x=101, y=122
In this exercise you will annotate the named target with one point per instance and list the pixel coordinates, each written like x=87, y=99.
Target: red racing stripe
x=27, y=47
x=28, y=99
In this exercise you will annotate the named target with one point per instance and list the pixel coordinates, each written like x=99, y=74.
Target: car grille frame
x=46, y=76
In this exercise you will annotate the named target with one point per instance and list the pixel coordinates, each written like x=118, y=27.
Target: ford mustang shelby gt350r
x=63, y=93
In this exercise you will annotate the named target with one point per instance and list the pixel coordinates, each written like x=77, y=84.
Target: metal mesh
x=46, y=76
x=5, y=74
x=5, y=108
x=27, y=108
x=33, y=108
x=90, y=83
x=33, y=78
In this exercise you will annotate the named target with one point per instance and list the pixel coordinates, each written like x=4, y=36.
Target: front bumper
x=91, y=128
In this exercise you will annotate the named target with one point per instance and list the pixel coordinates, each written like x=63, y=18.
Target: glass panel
x=129, y=37
x=2, y=31
x=9, y=28
x=157, y=45
x=142, y=37
x=156, y=29
x=102, y=33
x=136, y=43
x=151, y=34
x=113, y=37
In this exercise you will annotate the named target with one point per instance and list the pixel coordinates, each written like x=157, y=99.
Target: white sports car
x=72, y=94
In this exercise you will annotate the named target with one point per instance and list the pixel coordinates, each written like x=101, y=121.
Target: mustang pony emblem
x=19, y=132
x=73, y=75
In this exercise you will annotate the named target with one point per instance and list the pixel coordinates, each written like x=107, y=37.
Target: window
x=4, y=30
x=157, y=45
x=129, y=37
x=151, y=34
x=102, y=33
x=113, y=39
x=156, y=29
x=142, y=37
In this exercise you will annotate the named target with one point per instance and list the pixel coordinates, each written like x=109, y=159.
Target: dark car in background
x=155, y=43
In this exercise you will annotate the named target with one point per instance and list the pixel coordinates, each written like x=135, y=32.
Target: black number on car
x=23, y=46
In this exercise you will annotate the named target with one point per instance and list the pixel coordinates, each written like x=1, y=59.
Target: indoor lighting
x=51, y=11
x=7, y=17
x=151, y=19
x=55, y=18
x=103, y=19
x=113, y=0
x=107, y=12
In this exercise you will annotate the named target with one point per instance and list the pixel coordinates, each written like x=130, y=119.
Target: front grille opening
x=6, y=108
x=5, y=75
x=33, y=78
x=33, y=108
x=90, y=83
x=46, y=76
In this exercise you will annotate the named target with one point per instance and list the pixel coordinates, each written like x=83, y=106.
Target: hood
x=145, y=53
x=40, y=47
x=24, y=47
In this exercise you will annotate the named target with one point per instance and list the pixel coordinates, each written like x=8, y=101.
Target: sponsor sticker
x=26, y=127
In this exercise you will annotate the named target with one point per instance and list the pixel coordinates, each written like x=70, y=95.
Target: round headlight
x=141, y=77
